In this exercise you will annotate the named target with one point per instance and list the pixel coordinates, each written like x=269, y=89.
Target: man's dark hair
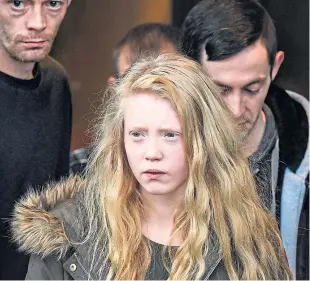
x=146, y=39
x=223, y=28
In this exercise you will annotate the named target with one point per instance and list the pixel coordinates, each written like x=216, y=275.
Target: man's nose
x=37, y=19
x=236, y=103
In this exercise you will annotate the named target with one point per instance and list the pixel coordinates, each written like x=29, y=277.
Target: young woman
x=167, y=194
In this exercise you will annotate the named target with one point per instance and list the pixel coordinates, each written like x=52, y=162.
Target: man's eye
x=55, y=4
x=252, y=92
x=224, y=90
x=17, y=4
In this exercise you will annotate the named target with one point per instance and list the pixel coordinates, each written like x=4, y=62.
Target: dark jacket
x=44, y=226
x=290, y=111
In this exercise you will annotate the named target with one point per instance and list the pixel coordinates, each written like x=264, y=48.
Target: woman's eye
x=136, y=135
x=171, y=135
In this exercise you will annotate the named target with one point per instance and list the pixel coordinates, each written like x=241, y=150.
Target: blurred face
x=28, y=27
x=245, y=79
x=124, y=61
x=154, y=145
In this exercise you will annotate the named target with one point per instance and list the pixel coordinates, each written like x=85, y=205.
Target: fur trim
x=35, y=228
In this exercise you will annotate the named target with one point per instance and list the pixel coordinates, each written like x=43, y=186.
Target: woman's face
x=154, y=145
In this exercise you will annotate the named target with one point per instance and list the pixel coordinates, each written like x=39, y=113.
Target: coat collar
x=292, y=125
x=36, y=226
x=43, y=224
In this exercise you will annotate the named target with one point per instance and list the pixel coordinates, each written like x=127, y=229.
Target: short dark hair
x=146, y=39
x=226, y=27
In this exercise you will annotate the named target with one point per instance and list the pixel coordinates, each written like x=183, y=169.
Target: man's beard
x=13, y=47
x=246, y=132
x=29, y=58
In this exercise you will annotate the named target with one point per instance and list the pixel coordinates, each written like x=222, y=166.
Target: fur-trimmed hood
x=44, y=225
x=39, y=218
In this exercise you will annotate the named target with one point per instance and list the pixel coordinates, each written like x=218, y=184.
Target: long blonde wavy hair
x=220, y=195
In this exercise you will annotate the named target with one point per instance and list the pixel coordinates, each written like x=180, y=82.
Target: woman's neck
x=157, y=220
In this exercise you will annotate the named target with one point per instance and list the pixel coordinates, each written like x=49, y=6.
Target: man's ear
x=277, y=63
x=69, y=2
x=111, y=80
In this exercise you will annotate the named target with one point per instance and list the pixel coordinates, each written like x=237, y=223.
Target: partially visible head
x=166, y=114
x=142, y=41
x=235, y=41
x=28, y=28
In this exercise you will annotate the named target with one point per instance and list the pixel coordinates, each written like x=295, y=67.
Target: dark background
x=84, y=44
x=92, y=28
x=291, y=18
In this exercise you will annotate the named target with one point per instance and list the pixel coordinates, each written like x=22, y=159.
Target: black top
x=157, y=269
x=35, y=133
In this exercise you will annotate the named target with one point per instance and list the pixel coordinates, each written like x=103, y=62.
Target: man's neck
x=253, y=140
x=15, y=68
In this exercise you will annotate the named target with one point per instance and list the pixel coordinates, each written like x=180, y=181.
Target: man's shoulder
x=281, y=101
x=55, y=79
x=54, y=67
x=290, y=111
x=299, y=99
x=278, y=96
